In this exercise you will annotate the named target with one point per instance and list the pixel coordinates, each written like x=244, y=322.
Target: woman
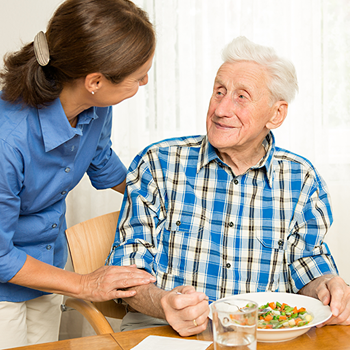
x=55, y=119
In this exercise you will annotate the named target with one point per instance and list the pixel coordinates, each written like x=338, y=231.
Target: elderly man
x=229, y=212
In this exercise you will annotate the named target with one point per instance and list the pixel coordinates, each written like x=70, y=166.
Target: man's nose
x=225, y=107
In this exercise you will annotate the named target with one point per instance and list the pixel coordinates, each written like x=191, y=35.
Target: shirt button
x=178, y=223
x=231, y=224
x=235, y=181
x=228, y=265
x=63, y=193
x=72, y=149
x=67, y=170
x=48, y=247
x=54, y=225
x=280, y=242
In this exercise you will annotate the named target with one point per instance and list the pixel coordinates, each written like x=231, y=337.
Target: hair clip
x=41, y=49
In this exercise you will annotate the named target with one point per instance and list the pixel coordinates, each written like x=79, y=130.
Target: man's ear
x=280, y=110
x=93, y=82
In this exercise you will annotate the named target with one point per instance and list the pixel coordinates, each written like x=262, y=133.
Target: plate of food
x=285, y=316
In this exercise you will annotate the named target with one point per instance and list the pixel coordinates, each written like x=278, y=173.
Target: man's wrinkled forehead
x=245, y=73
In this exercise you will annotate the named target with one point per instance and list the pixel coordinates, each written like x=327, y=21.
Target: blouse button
x=178, y=223
x=228, y=265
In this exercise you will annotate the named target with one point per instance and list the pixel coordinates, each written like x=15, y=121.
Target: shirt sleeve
x=308, y=255
x=11, y=177
x=106, y=169
x=141, y=219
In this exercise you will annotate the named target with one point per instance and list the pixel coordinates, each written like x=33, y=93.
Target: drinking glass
x=234, y=324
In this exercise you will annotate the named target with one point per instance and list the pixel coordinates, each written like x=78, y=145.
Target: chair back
x=89, y=244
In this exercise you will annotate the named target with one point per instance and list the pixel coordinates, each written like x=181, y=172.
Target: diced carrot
x=295, y=310
x=268, y=318
x=283, y=305
x=297, y=320
x=261, y=318
x=269, y=326
x=244, y=322
x=282, y=318
x=234, y=317
x=272, y=305
x=302, y=309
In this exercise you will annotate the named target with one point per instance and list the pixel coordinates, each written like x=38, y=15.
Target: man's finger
x=181, y=301
x=323, y=294
x=337, y=294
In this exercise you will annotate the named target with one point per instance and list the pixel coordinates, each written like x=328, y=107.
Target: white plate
x=320, y=312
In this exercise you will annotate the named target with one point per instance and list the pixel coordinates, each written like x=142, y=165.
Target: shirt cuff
x=127, y=261
x=112, y=174
x=305, y=270
x=11, y=263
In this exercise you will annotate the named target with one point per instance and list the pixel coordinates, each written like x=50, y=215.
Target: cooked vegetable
x=282, y=315
x=244, y=318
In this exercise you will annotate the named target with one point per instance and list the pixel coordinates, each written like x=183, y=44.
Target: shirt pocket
x=180, y=247
x=272, y=252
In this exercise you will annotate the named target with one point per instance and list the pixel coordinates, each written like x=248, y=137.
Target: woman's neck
x=73, y=102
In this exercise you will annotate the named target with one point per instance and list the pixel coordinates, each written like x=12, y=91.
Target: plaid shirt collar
x=207, y=154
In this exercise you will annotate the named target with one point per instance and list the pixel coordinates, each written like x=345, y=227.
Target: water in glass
x=236, y=341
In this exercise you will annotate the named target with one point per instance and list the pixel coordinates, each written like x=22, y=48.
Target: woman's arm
x=120, y=188
x=106, y=283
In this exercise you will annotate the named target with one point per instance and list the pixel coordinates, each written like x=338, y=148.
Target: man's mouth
x=223, y=126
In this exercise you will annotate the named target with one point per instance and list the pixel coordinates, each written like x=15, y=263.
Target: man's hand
x=109, y=282
x=332, y=291
x=186, y=310
x=336, y=293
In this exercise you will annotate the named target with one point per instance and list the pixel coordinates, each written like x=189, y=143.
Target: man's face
x=239, y=108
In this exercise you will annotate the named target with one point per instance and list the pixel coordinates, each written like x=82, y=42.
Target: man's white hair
x=283, y=83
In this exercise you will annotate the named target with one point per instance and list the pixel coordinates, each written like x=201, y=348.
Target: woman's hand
x=110, y=282
x=105, y=283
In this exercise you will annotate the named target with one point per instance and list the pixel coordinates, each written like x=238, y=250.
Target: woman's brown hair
x=112, y=37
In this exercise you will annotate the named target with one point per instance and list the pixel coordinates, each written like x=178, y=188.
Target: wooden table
x=326, y=338
x=96, y=342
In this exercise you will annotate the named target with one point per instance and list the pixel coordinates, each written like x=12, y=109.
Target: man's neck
x=240, y=160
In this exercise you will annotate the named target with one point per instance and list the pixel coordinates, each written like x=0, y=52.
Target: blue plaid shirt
x=187, y=219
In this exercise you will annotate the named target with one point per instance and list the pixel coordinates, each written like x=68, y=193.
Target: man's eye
x=241, y=96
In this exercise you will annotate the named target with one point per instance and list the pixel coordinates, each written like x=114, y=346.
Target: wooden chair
x=89, y=244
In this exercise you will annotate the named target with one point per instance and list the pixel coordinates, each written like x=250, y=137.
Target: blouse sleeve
x=106, y=169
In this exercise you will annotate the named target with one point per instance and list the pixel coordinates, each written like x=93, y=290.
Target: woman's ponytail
x=23, y=80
